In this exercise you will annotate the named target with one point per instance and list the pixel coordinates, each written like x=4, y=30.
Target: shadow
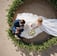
x=39, y=39
x=52, y=51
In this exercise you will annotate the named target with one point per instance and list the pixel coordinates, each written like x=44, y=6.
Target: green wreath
x=39, y=47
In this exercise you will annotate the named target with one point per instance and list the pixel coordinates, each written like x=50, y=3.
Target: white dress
x=48, y=25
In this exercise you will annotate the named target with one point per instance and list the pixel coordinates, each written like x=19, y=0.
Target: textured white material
x=48, y=25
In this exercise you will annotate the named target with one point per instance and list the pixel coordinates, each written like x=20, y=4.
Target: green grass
x=39, y=47
x=32, y=47
x=13, y=8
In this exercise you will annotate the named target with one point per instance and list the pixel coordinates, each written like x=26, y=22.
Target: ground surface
x=39, y=7
x=6, y=46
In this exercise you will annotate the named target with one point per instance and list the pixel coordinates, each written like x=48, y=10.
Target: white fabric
x=48, y=25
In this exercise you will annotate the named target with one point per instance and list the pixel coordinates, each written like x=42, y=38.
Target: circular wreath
x=49, y=43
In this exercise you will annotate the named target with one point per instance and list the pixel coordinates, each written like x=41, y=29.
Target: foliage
x=38, y=47
x=54, y=2
x=13, y=8
x=49, y=43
